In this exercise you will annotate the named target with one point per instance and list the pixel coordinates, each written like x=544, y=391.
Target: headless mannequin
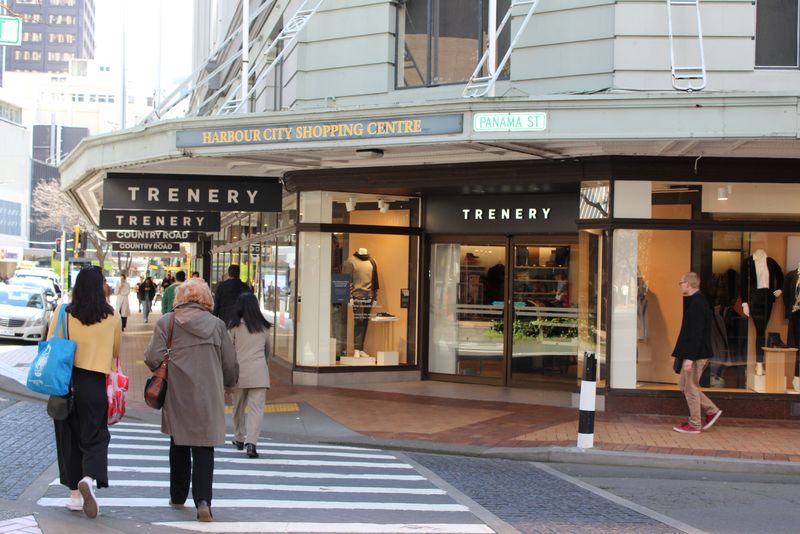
x=762, y=279
x=791, y=299
x=363, y=294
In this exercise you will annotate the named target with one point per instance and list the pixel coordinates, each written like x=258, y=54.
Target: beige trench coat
x=252, y=351
x=203, y=363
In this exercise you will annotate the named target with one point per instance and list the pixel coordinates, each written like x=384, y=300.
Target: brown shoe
x=204, y=512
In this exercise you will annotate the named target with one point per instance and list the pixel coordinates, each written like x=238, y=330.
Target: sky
x=141, y=29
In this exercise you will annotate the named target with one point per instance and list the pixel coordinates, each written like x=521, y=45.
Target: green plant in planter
x=555, y=328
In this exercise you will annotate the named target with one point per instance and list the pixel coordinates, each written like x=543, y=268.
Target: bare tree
x=52, y=208
x=124, y=260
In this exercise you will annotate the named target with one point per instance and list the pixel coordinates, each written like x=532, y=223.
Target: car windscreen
x=22, y=298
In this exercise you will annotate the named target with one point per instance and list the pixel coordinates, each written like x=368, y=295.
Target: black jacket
x=789, y=288
x=694, y=339
x=750, y=279
x=225, y=298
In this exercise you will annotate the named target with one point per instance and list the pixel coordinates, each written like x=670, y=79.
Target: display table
x=352, y=360
x=387, y=357
x=775, y=368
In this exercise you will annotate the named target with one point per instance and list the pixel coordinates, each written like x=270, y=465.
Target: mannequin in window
x=762, y=281
x=495, y=283
x=791, y=300
x=363, y=273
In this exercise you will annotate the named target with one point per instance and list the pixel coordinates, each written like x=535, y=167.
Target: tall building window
x=31, y=37
x=32, y=18
x=61, y=19
x=62, y=2
x=31, y=2
x=59, y=56
x=777, y=35
x=441, y=41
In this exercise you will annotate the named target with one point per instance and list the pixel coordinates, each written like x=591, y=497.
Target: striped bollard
x=588, y=394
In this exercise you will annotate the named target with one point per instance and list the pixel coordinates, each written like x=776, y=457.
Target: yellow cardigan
x=97, y=344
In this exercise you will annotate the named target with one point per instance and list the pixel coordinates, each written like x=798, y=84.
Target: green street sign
x=10, y=31
x=532, y=121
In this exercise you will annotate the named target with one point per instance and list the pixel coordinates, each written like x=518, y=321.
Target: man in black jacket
x=694, y=348
x=226, y=294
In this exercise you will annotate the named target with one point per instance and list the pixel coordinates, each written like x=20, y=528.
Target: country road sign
x=10, y=31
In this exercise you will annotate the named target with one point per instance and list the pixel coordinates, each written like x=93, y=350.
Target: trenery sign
x=134, y=191
x=189, y=221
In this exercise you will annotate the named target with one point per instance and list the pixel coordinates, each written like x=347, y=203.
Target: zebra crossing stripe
x=137, y=502
x=114, y=445
x=272, y=474
x=278, y=487
x=334, y=528
x=269, y=461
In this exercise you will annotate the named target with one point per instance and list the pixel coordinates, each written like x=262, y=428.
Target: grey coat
x=202, y=364
x=252, y=351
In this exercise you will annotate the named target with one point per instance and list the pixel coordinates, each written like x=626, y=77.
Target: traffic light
x=77, y=243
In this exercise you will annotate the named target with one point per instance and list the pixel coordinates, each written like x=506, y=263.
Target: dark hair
x=233, y=271
x=195, y=274
x=180, y=276
x=247, y=309
x=89, y=304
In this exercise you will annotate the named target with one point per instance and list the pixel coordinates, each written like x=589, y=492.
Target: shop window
x=358, y=299
x=594, y=200
x=648, y=307
x=441, y=42
x=777, y=35
x=363, y=209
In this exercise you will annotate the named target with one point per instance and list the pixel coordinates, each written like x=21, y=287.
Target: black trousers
x=760, y=310
x=362, y=307
x=794, y=338
x=181, y=471
x=82, y=438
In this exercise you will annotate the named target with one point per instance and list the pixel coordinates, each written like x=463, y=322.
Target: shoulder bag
x=51, y=369
x=155, y=390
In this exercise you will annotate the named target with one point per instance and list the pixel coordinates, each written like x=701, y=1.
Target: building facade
x=498, y=238
x=54, y=32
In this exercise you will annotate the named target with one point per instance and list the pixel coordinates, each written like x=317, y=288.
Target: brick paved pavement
x=28, y=445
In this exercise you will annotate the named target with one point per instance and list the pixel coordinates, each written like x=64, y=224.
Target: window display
x=756, y=308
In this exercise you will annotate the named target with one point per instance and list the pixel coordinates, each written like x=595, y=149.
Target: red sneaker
x=711, y=419
x=686, y=428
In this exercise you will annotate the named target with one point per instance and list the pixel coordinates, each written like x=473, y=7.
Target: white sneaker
x=90, y=506
x=74, y=504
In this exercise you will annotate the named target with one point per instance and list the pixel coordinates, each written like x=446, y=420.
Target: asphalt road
x=727, y=503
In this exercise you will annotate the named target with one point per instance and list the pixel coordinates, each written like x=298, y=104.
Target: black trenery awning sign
x=189, y=221
x=179, y=192
x=146, y=247
x=147, y=236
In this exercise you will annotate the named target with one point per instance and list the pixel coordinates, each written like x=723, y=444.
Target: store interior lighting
x=723, y=192
x=350, y=204
x=383, y=205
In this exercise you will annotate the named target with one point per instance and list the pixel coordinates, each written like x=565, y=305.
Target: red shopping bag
x=117, y=390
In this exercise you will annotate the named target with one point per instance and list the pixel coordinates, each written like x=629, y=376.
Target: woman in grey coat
x=202, y=364
x=250, y=333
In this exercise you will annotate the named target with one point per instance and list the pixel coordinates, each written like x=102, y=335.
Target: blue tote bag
x=51, y=369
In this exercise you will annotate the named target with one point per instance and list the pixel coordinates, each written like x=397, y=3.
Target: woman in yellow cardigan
x=82, y=439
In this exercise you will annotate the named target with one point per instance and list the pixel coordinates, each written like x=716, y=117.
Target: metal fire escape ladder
x=686, y=77
x=285, y=39
x=201, y=78
x=479, y=85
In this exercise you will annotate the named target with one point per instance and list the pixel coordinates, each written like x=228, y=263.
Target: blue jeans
x=146, y=303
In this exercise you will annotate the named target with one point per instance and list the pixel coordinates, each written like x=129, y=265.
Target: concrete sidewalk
x=480, y=420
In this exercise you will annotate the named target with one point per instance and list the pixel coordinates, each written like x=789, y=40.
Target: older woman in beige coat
x=201, y=365
x=251, y=336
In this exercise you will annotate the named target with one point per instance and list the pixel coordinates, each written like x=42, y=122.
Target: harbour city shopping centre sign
x=322, y=131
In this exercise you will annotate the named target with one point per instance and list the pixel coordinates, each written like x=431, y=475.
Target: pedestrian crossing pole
x=587, y=402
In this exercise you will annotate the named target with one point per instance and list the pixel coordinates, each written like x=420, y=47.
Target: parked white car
x=46, y=285
x=46, y=274
x=24, y=313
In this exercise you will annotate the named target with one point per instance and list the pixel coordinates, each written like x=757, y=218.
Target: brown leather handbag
x=155, y=389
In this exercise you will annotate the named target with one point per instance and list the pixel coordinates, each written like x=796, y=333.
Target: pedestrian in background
x=250, y=333
x=227, y=293
x=694, y=348
x=82, y=438
x=148, y=292
x=195, y=274
x=122, y=291
x=168, y=296
x=202, y=365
